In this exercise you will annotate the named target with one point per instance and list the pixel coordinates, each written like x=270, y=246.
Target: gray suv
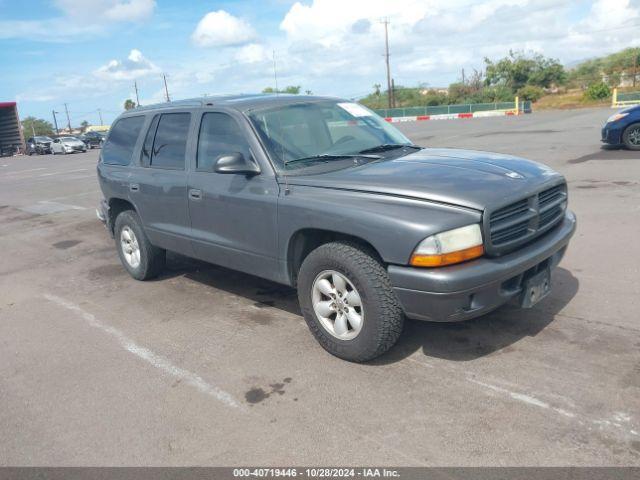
x=324, y=195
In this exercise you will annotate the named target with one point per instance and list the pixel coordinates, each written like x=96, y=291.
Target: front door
x=233, y=216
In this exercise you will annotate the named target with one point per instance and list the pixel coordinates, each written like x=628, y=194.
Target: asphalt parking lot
x=209, y=367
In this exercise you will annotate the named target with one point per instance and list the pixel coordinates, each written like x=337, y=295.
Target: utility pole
x=463, y=76
x=275, y=71
x=386, y=55
x=68, y=119
x=135, y=85
x=635, y=68
x=100, y=114
x=55, y=121
x=166, y=90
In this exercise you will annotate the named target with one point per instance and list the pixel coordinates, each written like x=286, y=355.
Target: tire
x=381, y=315
x=631, y=136
x=151, y=259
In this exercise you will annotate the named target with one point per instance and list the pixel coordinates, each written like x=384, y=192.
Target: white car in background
x=66, y=145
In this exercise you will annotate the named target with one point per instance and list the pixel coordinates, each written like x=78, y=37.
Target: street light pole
x=55, y=121
x=386, y=55
x=66, y=109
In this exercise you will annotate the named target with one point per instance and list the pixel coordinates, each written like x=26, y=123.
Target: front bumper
x=611, y=134
x=471, y=289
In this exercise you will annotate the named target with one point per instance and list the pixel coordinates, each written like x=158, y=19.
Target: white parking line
x=147, y=355
x=18, y=172
x=63, y=171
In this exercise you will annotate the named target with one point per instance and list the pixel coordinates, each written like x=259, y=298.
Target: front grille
x=521, y=221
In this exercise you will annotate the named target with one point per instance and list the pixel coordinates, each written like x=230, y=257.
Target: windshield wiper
x=326, y=156
x=389, y=146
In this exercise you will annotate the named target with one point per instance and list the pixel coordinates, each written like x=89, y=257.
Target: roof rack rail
x=189, y=102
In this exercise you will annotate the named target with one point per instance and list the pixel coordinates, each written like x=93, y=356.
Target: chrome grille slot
x=521, y=221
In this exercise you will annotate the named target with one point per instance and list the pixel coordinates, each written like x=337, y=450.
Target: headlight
x=616, y=116
x=447, y=248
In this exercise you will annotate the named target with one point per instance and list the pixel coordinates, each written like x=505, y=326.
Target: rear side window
x=170, y=144
x=122, y=140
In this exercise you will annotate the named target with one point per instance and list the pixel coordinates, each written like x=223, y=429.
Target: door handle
x=134, y=187
x=195, y=194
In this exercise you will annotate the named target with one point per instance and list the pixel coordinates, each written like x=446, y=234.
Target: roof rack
x=200, y=101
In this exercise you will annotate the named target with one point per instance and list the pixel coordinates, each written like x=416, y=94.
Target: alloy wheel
x=337, y=305
x=130, y=247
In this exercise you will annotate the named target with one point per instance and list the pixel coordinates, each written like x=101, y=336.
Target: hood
x=467, y=178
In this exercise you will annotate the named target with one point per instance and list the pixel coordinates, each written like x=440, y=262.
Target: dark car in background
x=40, y=145
x=623, y=128
x=92, y=139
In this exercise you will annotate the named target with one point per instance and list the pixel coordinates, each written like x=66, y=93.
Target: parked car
x=324, y=195
x=66, y=145
x=40, y=145
x=623, y=128
x=92, y=139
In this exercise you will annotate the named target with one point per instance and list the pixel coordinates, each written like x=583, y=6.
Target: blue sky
x=88, y=53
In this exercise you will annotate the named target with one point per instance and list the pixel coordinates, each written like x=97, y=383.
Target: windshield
x=321, y=131
x=43, y=139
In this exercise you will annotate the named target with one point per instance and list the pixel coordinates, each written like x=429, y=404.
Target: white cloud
x=134, y=66
x=252, y=53
x=220, y=28
x=79, y=18
x=109, y=10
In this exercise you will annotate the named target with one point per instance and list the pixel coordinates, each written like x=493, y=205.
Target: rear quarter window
x=122, y=140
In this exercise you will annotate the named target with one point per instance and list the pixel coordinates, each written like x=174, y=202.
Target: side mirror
x=235, y=162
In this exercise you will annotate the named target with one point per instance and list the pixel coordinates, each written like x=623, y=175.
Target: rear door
x=233, y=216
x=158, y=186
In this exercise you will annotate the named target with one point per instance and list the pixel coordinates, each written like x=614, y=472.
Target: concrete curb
x=452, y=116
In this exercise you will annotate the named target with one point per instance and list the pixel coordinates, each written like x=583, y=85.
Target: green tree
x=517, y=70
x=84, y=125
x=598, y=91
x=129, y=104
x=36, y=126
x=530, y=93
x=292, y=89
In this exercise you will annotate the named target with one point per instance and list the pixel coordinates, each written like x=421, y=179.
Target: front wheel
x=348, y=302
x=631, y=136
x=141, y=259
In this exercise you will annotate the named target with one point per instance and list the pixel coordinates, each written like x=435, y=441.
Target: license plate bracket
x=535, y=288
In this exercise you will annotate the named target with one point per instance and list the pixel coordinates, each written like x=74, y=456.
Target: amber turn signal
x=440, y=260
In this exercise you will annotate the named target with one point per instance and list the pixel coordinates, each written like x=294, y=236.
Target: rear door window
x=170, y=143
x=147, y=146
x=122, y=140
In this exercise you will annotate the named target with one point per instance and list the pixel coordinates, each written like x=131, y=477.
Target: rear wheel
x=631, y=136
x=141, y=259
x=348, y=303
